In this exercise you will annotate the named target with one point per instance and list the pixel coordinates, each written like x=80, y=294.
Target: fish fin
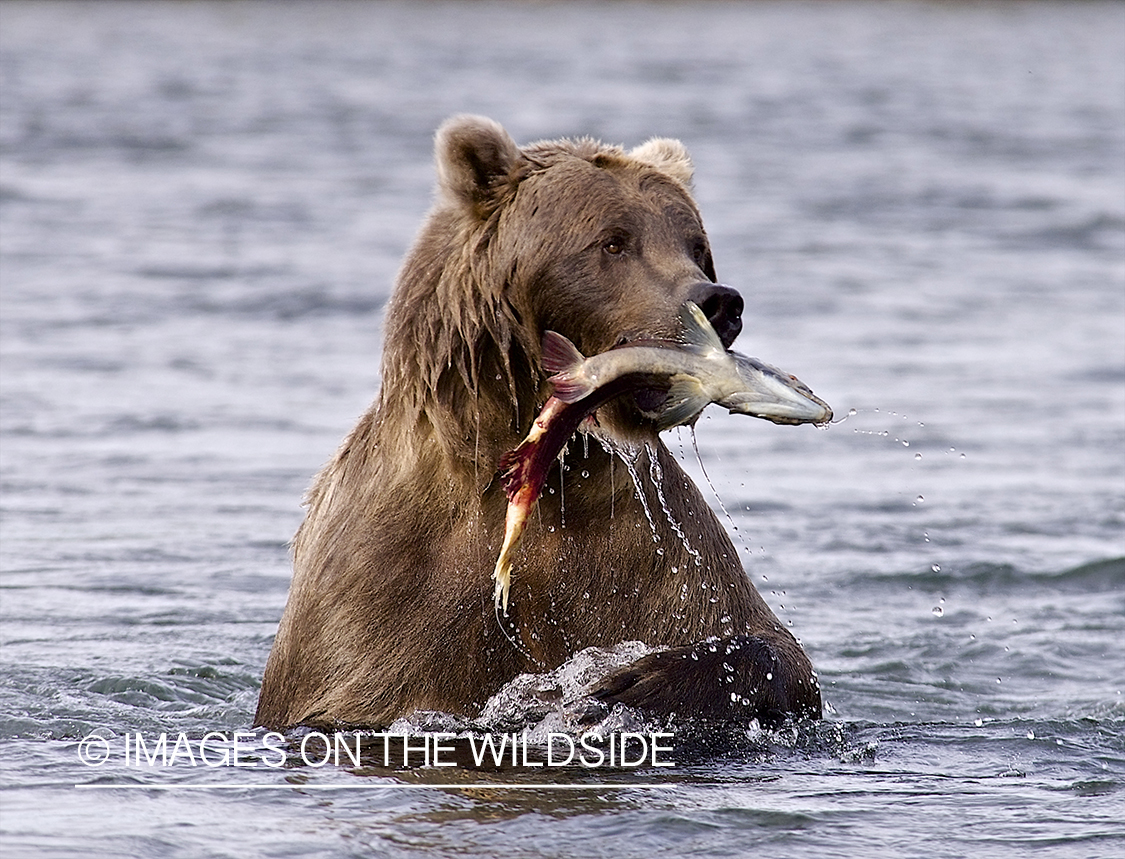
x=559, y=354
x=697, y=332
x=562, y=360
x=508, y=462
x=513, y=464
x=570, y=390
x=686, y=400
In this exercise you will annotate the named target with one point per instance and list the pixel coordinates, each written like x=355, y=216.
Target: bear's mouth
x=722, y=306
x=650, y=399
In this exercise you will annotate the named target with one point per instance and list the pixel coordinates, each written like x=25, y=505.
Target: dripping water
x=512, y=641
x=562, y=481
x=715, y=492
x=657, y=475
x=629, y=457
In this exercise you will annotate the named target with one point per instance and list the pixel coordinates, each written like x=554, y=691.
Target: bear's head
x=591, y=241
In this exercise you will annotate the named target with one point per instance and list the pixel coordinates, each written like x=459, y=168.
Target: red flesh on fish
x=523, y=471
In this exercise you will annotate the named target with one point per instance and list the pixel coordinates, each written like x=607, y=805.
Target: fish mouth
x=775, y=395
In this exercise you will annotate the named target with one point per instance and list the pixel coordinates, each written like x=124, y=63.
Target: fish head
x=774, y=395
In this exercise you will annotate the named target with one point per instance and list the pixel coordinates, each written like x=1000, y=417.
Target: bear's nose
x=722, y=306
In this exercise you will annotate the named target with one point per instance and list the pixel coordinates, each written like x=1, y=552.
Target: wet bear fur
x=391, y=604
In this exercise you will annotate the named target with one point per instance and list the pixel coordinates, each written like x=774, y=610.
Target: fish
x=694, y=371
x=700, y=371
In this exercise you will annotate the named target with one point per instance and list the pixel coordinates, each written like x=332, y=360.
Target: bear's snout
x=722, y=305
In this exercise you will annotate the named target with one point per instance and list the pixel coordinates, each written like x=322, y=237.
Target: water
x=203, y=207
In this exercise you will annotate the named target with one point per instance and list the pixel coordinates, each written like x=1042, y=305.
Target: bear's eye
x=699, y=254
x=615, y=245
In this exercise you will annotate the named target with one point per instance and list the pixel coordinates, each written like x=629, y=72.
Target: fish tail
x=564, y=362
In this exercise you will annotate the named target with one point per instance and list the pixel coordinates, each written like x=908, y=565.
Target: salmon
x=695, y=371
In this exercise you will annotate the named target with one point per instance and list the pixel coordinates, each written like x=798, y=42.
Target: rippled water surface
x=202, y=209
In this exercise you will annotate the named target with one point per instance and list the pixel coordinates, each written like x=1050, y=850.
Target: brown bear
x=391, y=606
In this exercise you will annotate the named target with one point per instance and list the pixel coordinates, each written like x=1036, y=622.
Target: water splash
x=559, y=701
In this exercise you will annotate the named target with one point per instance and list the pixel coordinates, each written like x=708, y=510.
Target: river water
x=203, y=209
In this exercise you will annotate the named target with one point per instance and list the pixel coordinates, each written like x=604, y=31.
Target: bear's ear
x=667, y=155
x=475, y=158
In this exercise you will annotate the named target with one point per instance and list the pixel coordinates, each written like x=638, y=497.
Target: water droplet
x=1031, y=735
x=660, y=551
x=585, y=474
x=917, y=456
x=937, y=611
x=962, y=456
x=851, y=413
x=905, y=443
x=919, y=499
x=979, y=723
x=724, y=619
x=769, y=675
x=935, y=567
